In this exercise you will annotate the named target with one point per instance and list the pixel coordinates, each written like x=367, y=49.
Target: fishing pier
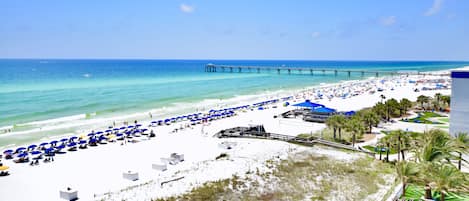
x=305, y=70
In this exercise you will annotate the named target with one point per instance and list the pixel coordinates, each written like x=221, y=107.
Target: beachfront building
x=459, y=102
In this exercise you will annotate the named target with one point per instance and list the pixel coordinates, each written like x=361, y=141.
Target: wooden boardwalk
x=244, y=132
x=309, y=70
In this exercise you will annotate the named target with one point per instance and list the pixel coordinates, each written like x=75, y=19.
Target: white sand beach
x=96, y=172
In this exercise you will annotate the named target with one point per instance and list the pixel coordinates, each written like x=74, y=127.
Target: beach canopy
x=43, y=144
x=349, y=113
x=323, y=110
x=49, y=150
x=4, y=167
x=82, y=142
x=64, y=140
x=122, y=128
x=73, y=138
x=116, y=129
x=32, y=146
x=53, y=142
x=308, y=104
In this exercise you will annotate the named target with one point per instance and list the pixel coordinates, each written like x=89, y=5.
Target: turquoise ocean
x=36, y=92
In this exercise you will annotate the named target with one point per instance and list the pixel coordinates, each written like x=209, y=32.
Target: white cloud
x=388, y=21
x=316, y=34
x=186, y=8
x=436, y=7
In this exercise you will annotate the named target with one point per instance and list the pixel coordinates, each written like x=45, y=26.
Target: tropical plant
x=332, y=122
x=422, y=100
x=407, y=171
x=380, y=110
x=370, y=118
x=447, y=178
x=386, y=140
x=460, y=143
x=356, y=127
x=391, y=106
x=399, y=138
x=404, y=106
x=382, y=97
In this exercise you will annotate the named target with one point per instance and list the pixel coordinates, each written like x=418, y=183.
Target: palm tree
x=447, y=178
x=382, y=97
x=341, y=124
x=370, y=118
x=422, y=99
x=386, y=140
x=380, y=110
x=391, y=106
x=438, y=98
x=433, y=149
x=404, y=104
x=460, y=143
x=399, y=138
x=407, y=171
x=380, y=146
x=356, y=127
x=332, y=122
x=446, y=100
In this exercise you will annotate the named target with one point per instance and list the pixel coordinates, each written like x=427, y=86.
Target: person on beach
x=151, y=116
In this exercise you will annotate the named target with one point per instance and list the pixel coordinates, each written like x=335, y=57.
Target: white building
x=459, y=118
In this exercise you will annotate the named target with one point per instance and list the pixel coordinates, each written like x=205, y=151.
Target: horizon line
x=237, y=59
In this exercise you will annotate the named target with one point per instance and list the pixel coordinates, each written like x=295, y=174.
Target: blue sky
x=241, y=29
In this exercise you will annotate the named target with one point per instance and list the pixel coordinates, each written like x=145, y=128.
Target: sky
x=241, y=29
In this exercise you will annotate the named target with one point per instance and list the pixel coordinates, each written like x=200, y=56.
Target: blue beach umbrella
x=138, y=125
x=99, y=132
x=82, y=142
x=20, y=149
x=122, y=128
x=32, y=146
x=130, y=126
x=36, y=152
x=8, y=151
x=90, y=134
x=154, y=122
x=116, y=129
x=22, y=155
x=64, y=140
x=119, y=134
x=73, y=138
x=49, y=150
x=72, y=144
x=60, y=147
x=53, y=142
x=43, y=144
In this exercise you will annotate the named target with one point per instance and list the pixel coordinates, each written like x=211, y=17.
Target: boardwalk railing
x=310, y=70
x=245, y=132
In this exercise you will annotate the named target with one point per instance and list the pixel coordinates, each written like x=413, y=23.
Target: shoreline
x=196, y=143
x=80, y=123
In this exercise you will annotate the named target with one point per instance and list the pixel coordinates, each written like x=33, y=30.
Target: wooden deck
x=244, y=132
